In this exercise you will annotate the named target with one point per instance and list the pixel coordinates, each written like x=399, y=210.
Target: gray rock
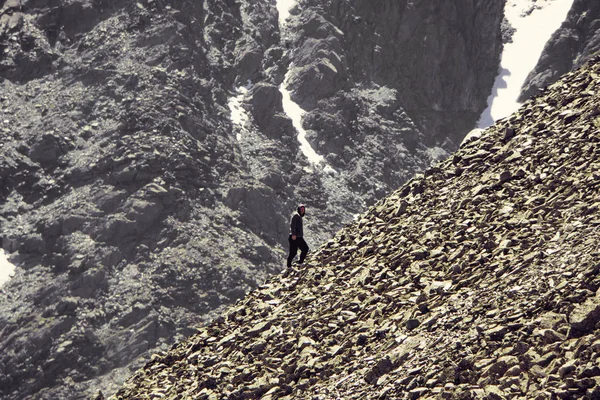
x=142, y=211
x=248, y=58
x=382, y=367
x=266, y=101
x=585, y=316
x=90, y=282
x=67, y=306
x=412, y=324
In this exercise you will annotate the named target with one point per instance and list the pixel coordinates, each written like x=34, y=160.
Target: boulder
x=91, y=281
x=48, y=150
x=266, y=101
x=585, y=316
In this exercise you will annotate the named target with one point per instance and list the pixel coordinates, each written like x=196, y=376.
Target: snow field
x=534, y=23
x=6, y=268
x=239, y=116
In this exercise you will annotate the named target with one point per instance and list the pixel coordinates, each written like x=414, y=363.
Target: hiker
x=296, y=236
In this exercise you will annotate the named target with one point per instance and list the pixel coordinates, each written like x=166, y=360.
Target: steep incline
x=479, y=278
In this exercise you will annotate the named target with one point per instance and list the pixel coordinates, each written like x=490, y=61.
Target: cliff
x=440, y=60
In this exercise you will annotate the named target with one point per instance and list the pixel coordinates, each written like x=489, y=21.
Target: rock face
x=575, y=42
x=477, y=279
x=440, y=80
x=127, y=200
x=121, y=190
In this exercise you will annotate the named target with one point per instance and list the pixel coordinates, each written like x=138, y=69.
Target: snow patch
x=329, y=170
x=283, y=8
x=473, y=135
x=6, y=268
x=239, y=115
x=295, y=112
x=534, y=23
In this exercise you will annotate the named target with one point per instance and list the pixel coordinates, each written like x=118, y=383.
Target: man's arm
x=294, y=226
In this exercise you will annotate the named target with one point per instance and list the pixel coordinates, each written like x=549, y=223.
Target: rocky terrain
x=477, y=279
x=129, y=204
x=577, y=40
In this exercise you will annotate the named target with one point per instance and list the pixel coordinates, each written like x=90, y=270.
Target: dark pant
x=294, y=245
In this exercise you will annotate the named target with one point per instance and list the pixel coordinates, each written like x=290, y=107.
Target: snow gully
x=6, y=268
x=293, y=110
x=534, y=23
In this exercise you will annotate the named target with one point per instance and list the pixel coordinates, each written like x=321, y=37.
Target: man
x=296, y=236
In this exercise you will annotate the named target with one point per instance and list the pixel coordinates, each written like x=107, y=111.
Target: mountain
x=136, y=206
x=478, y=279
x=132, y=209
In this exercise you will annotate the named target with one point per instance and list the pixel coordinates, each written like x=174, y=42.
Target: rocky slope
x=577, y=40
x=478, y=279
x=126, y=199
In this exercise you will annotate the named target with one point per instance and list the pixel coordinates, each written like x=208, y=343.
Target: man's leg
x=293, y=250
x=303, y=249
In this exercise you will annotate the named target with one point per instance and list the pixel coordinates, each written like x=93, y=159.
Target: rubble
x=472, y=286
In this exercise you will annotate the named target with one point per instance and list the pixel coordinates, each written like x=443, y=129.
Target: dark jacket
x=296, y=225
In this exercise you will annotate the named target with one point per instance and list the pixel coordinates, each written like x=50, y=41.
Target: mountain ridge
x=478, y=279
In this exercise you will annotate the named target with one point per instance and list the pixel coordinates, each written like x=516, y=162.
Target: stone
x=585, y=316
x=551, y=320
x=67, y=306
x=551, y=336
x=418, y=392
x=497, y=333
x=382, y=367
x=497, y=369
x=48, y=150
x=258, y=328
x=265, y=100
x=412, y=324
x=567, y=369
x=248, y=58
x=509, y=133
x=34, y=243
x=143, y=211
x=505, y=176
x=90, y=282
x=494, y=393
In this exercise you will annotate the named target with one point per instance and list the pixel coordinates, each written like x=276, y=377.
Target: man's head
x=301, y=209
